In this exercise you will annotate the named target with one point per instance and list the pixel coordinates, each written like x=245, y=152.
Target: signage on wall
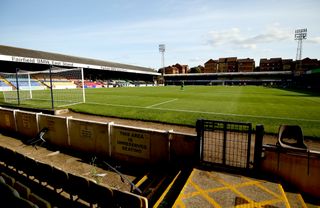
x=133, y=143
x=68, y=64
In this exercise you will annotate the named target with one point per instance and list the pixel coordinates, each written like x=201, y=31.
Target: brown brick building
x=177, y=69
x=222, y=65
x=288, y=65
x=246, y=65
x=228, y=64
x=273, y=64
x=232, y=64
x=211, y=66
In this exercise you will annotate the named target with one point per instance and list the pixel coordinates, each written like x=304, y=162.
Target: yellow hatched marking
x=259, y=204
x=204, y=194
x=232, y=188
x=188, y=195
x=281, y=196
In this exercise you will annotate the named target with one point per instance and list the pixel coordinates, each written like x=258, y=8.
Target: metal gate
x=225, y=143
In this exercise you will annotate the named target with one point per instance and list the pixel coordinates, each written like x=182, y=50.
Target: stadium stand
x=58, y=82
x=39, y=201
x=23, y=82
x=45, y=175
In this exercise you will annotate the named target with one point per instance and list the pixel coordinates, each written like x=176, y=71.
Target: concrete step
x=156, y=184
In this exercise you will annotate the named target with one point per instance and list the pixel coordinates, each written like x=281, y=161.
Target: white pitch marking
x=157, y=104
x=69, y=104
x=205, y=112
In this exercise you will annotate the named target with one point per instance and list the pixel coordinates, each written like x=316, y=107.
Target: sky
x=193, y=31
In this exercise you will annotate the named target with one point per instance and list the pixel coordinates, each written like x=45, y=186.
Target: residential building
x=272, y=64
x=211, y=66
x=232, y=64
x=287, y=65
x=176, y=69
x=246, y=65
x=222, y=65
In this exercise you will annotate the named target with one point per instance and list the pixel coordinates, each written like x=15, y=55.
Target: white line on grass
x=157, y=104
x=205, y=112
x=69, y=104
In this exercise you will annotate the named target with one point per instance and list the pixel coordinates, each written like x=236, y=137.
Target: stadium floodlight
x=162, y=49
x=299, y=35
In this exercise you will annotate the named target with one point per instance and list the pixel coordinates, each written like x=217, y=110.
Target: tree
x=196, y=69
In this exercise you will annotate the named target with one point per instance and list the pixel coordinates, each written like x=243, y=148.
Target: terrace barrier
x=124, y=143
x=300, y=168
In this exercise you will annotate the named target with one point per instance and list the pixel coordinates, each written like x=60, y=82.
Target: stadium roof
x=231, y=73
x=13, y=54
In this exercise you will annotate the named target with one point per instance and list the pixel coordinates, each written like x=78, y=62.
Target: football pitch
x=171, y=104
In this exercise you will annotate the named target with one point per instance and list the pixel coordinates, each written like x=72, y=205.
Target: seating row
x=16, y=194
x=75, y=185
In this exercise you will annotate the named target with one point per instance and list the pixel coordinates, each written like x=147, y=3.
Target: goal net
x=52, y=88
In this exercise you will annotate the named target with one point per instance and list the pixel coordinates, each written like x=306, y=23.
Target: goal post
x=52, y=88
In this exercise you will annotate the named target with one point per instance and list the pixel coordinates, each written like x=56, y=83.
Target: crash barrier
x=75, y=185
x=291, y=159
x=124, y=143
x=300, y=168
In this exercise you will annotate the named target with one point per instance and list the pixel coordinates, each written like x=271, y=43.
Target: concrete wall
x=301, y=169
x=124, y=143
x=58, y=131
x=7, y=120
x=139, y=145
x=184, y=147
x=89, y=136
x=27, y=124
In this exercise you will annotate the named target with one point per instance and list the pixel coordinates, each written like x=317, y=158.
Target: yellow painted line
x=271, y=192
x=189, y=195
x=167, y=190
x=232, y=188
x=178, y=200
x=249, y=183
x=284, y=196
x=302, y=201
x=205, y=195
x=259, y=184
x=179, y=204
x=141, y=181
x=259, y=204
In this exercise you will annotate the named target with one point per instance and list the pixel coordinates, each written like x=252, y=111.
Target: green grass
x=258, y=105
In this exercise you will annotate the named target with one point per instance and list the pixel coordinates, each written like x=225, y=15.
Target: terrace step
x=157, y=183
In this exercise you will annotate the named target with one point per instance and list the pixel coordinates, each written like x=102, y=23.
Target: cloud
x=238, y=39
x=315, y=40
